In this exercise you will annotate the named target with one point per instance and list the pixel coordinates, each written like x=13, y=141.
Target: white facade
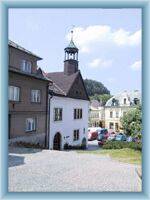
x=68, y=124
x=113, y=116
x=97, y=116
x=114, y=109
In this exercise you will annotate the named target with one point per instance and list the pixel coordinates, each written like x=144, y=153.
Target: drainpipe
x=48, y=98
x=47, y=106
x=50, y=95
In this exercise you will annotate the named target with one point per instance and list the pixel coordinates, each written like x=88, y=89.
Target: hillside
x=94, y=87
x=97, y=91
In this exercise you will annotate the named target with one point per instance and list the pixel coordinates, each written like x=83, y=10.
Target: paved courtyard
x=46, y=171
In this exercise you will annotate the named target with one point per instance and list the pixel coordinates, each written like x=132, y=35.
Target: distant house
x=118, y=105
x=28, y=97
x=69, y=104
x=97, y=114
x=109, y=116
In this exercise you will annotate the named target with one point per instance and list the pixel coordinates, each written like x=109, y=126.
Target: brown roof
x=15, y=45
x=63, y=82
x=66, y=85
x=38, y=75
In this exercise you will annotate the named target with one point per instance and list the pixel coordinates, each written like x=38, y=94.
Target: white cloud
x=136, y=66
x=99, y=63
x=122, y=37
x=97, y=34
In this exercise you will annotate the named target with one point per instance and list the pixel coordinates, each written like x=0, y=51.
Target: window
x=83, y=130
x=76, y=135
x=117, y=114
x=111, y=114
x=136, y=101
x=26, y=66
x=125, y=101
x=116, y=127
x=14, y=93
x=35, y=96
x=30, y=124
x=77, y=113
x=111, y=125
x=57, y=114
x=113, y=102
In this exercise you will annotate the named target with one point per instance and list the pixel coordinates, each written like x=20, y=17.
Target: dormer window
x=136, y=101
x=125, y=101
x=26, y=66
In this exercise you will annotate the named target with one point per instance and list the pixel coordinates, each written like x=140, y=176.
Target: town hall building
x=69, y=104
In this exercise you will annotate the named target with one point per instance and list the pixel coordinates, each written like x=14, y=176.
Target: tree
x=103, y=98
x=95, y=87
x=132, y=122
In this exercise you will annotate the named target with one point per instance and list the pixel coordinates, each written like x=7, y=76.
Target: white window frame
x=111, y=114
x=76, y=135
x=78, y=113
x=125, y=101
x=117, y=114
x=26, y=66
x=112, y=125
x=59, y=117
x=30, y=124
x=35, y=96
x=14, y=93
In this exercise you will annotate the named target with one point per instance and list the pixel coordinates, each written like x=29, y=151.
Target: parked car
x=103, y=133
x=129, y=139
x=111, y=137
x=121, y=137
x=92, y=134
x=100, y=137
x=136, y=139
x=101, y=142
x=111, y=131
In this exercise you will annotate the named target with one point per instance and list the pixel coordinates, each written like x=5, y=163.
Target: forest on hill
x=97, y=91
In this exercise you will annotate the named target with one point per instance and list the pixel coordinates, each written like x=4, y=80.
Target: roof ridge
x=17, y=46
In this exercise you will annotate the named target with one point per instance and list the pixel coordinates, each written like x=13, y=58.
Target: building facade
x=69, y=104
x=28, y=97
x=96, y=114
x=115, y=108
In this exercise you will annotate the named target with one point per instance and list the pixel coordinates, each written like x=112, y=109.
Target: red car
x=101, y=142
x=92, y=134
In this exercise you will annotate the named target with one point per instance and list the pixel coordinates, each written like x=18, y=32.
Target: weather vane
x=72, y=31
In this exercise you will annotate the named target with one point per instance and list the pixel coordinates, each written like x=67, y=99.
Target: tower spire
x=71, y=57
x=71, y=34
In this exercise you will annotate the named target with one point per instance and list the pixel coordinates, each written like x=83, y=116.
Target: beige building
x=114, y=109
x=97, y=114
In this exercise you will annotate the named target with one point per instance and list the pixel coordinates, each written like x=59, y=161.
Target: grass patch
x=123, y=155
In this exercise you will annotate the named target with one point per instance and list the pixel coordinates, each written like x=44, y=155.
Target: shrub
x=66, y=146
x=121, y=145
x=74, y=147
x=28, y=145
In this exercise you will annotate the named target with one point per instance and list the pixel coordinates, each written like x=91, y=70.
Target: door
x=57, y=142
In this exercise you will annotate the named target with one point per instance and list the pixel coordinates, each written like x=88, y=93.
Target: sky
x=109, y=41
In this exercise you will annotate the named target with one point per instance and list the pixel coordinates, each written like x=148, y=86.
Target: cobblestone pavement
x=47, y=170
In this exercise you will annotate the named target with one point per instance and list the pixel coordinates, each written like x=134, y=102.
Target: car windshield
x=118, y=137
x=100, y=136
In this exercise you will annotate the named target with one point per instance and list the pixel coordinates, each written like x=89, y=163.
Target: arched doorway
x=57, y=141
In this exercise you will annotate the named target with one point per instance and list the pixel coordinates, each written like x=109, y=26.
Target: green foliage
x=94, y=87
x=103, y=98
x=132, y=122
x=121, y=145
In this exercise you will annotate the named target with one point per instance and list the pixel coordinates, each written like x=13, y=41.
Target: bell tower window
x=71, y=58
